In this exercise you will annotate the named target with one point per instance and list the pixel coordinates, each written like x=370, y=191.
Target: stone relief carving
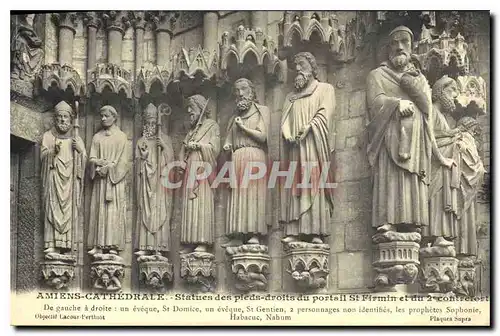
x=193, y=62
x=246, y=146
x=108, y=168
x=154, y=201
x=26, y=48
x=63, y=159
x=200, y=147
x=305, y=130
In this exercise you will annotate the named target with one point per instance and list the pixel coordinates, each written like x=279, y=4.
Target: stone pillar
x=210, y=31
x=92, y=23
x=67, y=24
x=259, y=20
x=139, y=25
x=116, y=24
x=164, y=24
x=210, y=43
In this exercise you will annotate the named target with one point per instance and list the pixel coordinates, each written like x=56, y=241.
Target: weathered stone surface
x=357, y=104
x=346, y=171
x=25, y=123
x=353, y=270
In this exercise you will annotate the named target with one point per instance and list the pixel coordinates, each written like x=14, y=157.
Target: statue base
x=107, y=272
x=250, y=266
x=155, y=272
x=395, y=262
x=308, y=264
x=198, y=271
x=438, y=274
x=465, y=285
x=58, y=270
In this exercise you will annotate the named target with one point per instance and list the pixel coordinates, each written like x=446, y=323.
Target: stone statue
x=26, y=48
x=247, y=142
x=305, y=129
x=153, y=152
x=452, y=191
x=201, y=146
x=108, y=167
x=401, y=140
x=63, y=158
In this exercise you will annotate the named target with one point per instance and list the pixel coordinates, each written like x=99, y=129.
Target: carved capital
x=138, y=19
x=58, y=270
x=66, y=20
x=107, y=272
x=92, y=19
x=198, y=270
x=155, y=272
x=308, y=264
x=113, y=76
x=163, y=21
x=116, y=20
x=250, y=266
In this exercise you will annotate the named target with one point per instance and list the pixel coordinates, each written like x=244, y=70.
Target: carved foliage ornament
x=66, y=20
x=116, y=20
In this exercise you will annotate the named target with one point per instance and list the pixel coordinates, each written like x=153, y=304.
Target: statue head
x=244, y=90
x=29, y=18
x=149, y=119
x=444, y=93
x=108, y=116
x=63, y=117
x=400, y=45
x=307, y=69
x=195, y=106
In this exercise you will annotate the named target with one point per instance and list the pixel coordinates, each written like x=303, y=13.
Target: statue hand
x=193, y=145
x=406, y=108
x=161, y=143
x=238, y=121
x=227, y=147
x=76, y=145
x=57, y=147
x=448, y=162
x=303, y=133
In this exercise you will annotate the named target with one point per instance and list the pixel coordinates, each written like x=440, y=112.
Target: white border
x=192, y=5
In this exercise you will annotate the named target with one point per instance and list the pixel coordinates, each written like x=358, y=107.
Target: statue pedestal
x=198, y=270
x=155, y=272
x=465, y=285
x=58, y=270
x=395, y=262
x=439, y=274
x=308, y=264
x=250, y=266
x=107, y=272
